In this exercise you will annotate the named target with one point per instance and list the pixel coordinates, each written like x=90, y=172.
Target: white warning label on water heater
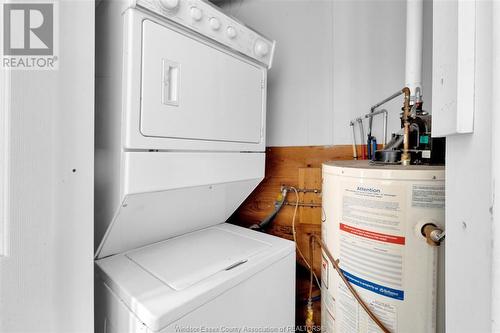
x=371, y=248
x=371, y=238
x=325, y=270
x=373, y=208
x=353, y=319
x=428, y=196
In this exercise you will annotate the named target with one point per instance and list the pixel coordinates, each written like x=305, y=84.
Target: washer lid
x=188, y=259
x=202, y=264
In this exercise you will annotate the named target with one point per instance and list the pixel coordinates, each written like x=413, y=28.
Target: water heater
x=373, y=221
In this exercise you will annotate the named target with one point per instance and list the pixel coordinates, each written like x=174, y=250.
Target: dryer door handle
x=170, y=82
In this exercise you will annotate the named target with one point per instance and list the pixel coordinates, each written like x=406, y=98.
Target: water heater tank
x=373, y=216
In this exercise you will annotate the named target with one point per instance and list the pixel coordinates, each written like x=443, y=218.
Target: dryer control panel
x=207, y=20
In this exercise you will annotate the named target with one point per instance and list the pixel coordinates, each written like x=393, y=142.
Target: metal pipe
x=388, y=99
x=405, y=157
x=354, y=147
x=386, y=118
x=362, y=133
x=301, y=190
x=382, y=102
x=386, y=115
x=302, y=204
x=394, y=144
x=361, y=128
x=375, y=113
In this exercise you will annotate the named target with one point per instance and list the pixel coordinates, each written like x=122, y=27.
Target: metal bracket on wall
x=300, y=190
x=302, y=204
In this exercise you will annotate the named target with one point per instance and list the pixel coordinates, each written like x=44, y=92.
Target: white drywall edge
x=4, y=158
x=454, y=62
x=495, y=297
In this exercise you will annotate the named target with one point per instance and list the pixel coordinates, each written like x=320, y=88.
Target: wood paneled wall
x=299, y=167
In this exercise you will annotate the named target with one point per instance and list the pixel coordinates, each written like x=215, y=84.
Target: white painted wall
x=468, y=198
x=300, y=82
x=495, y=295
x=334, y=59
x=369, y=61
x=46, y=278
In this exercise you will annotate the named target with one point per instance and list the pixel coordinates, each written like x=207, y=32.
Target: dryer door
x=196, y=91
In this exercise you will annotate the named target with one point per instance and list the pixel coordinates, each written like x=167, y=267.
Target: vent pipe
x=414, y=35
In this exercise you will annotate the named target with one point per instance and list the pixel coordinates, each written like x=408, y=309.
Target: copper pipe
x=405, y=157
x=313, y=238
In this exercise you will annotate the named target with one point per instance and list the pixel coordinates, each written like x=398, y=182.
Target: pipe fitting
x=433, y=234
x=405, y=157
x=310, y=317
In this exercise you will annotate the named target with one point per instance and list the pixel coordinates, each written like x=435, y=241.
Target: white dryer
x=180, y=143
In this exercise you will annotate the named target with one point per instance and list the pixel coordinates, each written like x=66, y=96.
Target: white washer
x=180, y=143
x=219, y=278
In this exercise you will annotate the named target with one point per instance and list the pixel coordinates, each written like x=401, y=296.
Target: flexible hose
x=269, y=219
x=313, y=238
x=294, y=233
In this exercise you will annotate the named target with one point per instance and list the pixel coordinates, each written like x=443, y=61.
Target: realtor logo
x=28, y=29
x=29, y=35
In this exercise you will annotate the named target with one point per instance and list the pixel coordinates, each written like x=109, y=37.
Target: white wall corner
x=495, y=209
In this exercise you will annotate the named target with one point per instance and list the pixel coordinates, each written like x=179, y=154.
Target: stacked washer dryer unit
x=180, y=143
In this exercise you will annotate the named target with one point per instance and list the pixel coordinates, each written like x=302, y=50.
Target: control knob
x=231, y=32
x=261, y=48
x=196, y=13
x=169, y=4
x=214, y=23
